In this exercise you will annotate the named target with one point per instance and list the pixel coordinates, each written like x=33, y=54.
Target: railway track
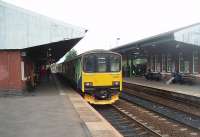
x=131, y=120
x=125, y=122
x=175, y=115
x=180, y=112
x=167, y=97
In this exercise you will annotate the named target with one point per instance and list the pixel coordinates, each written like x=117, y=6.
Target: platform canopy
x=24, y=30
x=186, y=36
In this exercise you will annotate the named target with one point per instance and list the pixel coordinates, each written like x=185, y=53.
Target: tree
x=71, y=54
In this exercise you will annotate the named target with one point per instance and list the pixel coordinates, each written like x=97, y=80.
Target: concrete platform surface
x=51, y=111
x=40, y=116
x=191, y=90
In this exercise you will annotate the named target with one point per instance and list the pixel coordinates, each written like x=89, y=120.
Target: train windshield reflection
x=101, y=63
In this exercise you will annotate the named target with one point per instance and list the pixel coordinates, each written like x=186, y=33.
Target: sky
x=107, y=20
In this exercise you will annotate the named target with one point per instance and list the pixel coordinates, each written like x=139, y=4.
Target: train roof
x=98, y=51
x=92, y=51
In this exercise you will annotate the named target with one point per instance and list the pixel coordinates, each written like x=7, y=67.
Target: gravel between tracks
x=126, y=125
x=173, y=114
x=165, y=126
x=166, y=102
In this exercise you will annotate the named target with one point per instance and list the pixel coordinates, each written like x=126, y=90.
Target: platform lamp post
x=49, y=56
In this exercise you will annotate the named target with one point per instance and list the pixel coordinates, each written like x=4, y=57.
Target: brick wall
x=10, y=71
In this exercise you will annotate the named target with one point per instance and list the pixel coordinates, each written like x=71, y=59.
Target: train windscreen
x=101, y=62
x=89, y=64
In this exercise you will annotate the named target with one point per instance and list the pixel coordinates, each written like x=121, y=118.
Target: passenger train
x=97, y=74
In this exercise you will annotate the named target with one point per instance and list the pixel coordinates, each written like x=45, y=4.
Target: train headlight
x=88, y=84
x=116, y=83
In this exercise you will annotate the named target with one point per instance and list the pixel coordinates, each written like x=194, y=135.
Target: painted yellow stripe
x=92, y=100
x=101, y=79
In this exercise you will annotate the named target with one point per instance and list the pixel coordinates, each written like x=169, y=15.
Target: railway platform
x=188, y=90
x=51, y=110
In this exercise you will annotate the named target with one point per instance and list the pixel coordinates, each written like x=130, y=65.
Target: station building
x=173, y=51
x=29, y=40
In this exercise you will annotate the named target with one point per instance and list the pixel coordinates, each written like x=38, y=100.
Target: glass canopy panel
x=190, y=35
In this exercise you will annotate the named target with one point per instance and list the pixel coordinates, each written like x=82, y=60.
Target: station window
x=183, y=64
x=169, y=63
x=157, y=63
x=152, y=63
x=195, y=60
x=163, y=64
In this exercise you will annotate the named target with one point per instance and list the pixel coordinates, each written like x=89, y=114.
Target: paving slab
x=42, y=113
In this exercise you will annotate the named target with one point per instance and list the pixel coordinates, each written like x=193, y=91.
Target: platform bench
x=153, y=76
x=188, y=79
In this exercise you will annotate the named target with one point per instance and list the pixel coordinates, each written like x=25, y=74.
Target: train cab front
x=102, y=78
x=102, y=93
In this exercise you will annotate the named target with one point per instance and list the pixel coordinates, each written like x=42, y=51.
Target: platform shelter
x=29, y=40
x=166, y=53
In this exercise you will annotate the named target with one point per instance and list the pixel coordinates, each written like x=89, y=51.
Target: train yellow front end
x=102, y=88
x=104, y=85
